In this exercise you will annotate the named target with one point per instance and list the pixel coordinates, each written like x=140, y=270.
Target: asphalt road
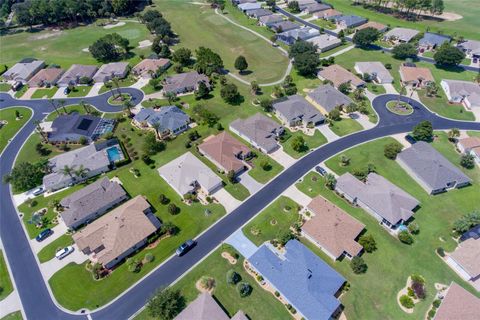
x=32, y=289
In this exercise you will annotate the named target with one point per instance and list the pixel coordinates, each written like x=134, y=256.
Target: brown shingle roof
x=458, y=304
x=372, y=24
x=467, y=255
x=50, y=75
x=327, y=13
x=470, y=142
x=117, y=231
x=151, y=65
x=334, y=229
x=223, y=148
x=339, y=75
x=409, y=74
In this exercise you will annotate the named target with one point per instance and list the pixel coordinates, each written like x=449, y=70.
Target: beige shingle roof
x=467, y=255
x=339, y=75
x=409, y=74
x=470, y=142
x=204, y=307
x=458, y=304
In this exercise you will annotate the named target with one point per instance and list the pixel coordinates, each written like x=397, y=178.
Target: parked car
x=44, y=235
x=410, y=139
x=38, y=191
x=17, y=85
x=321, y=170
x=185, y=247
x=64, y=252
x=66, y=91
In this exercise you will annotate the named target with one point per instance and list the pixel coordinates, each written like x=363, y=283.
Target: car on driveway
x=321, y=170
x=44, y=235
x=185, y=247
x=64, y=252
x=38, y=191
x=410, y=139
x=66, y=91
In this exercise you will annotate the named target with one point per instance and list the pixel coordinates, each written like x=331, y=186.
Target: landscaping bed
x=399, y=107
x=119, y=100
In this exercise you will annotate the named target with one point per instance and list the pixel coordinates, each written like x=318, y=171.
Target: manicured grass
x=119, y=100
x=21, y=92
x=376, y=88
x=127, y=82
x=334, y=50
x=17, y=315
x=273, y=221
x=260, y=174
x=259, y=305
x=4, y=87
x=474, y=133
x=48, y=252
x=370, y=295
x=43, y=93
x=68, y=109
x=440, y=105
x=64, y=47
x=79, y=91
x=9, y=130
x=5, y=282
x=311, y=142
x=406, y=109
x=266, y=63
x=325, y=24
x=345, y=126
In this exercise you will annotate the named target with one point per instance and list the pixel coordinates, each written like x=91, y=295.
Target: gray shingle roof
x=75, y=73
x=89, y=200
x=317, y=7
x=110, y=70
x=376, y=69
x=185, y=82
x=271, y=19
x=296, y=108
x=204, y=307
x=433, y=39
x=74, y=124
x=431, y=167
x=285, y=25
x=403, y=34
x=170, y=118
x=304, y=279
x=329, y=97
x=257, y=13
x=351, y=21
x=23, y=70
x=386, y=199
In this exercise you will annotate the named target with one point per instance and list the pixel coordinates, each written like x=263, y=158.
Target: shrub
x=441, y=252
x=149, y=257
x=207, y=283
x=432, y=313
x=358, y=265
x=413, y=228
x=405, y=237
x=410, y=292
x=417, y=278
x=467, y=161
x=165, y=304
x=419, y=290
x=259, y=278
x=244, y=289
x=467, y=222
x=173, y=209
x=163, y=199
x=233, y=277
x=368, y=243
x=436, y=303
x=406, y=301
x=392, y=149
x=277, y=294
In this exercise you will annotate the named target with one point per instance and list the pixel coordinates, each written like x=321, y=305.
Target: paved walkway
x=58, y=231
x=50, y=267
x=298, y=196
x=282, y=157
x=390, y=88
x=327, y=132
x=29, y=93
x=363, y=120
x=339, y=52
x=226, y=200
x=142, y=82
x=248, y=182
x=240, y=242
x=95, y=89
x=59, y=94
x=10, y=304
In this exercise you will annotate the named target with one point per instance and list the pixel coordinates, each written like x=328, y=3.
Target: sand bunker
x=144, y=44
x=118, y=24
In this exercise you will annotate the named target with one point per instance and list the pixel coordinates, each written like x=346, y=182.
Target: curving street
x=33, y=291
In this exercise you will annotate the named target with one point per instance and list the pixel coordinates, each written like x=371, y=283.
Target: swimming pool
x=114, y=154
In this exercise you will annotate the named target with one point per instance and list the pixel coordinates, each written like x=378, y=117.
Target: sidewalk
x=10, y=304
x=59, y=94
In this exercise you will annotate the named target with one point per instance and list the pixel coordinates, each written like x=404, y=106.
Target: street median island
x=399, y=107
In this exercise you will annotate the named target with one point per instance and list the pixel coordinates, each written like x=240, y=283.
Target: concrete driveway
x=329, y=134
x=282, y=157
x=50, y=267
x=389, y=88
x=95, y=89
x=248, y=182
x=58, y=231
x=226, y=200
x=298, y=196
x=240, y=242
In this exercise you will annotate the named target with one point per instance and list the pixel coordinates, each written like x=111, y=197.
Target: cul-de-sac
x=239, y=160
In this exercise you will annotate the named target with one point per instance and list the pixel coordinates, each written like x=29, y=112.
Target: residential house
x=431, y=41
x=93, y=158
x=268, y=21
x=76, y=72
x=283, y=26
x=458, y=303
x=237, y=2
x=171, y=120
x=375, y=25
x=226, y=152
x=292, y=36
x=303, y=280
x=325, y=42
x=205, y=307
x=249, y=6
x=187, y=174
x=91, y=202
x=376, y=70
x=400, y=35
x=470, y=145
x=333, y=230
x=119, y=233
x=111, y=70
x=464, y=92
x=326, y=98
x=327, y=14
x=431, y=169
x=338, y=75
x=45, y=77
x=386, y=202
x=465, y=260
x=303, y=4
x=349, y=21
x=184, y=82
x=258, y=13
x=316, y=7
x=471, y=48
x=416, y=76
x=296, y=111
x=148, y=67
x=23, y=71
x=73, y=127
x=259, y=130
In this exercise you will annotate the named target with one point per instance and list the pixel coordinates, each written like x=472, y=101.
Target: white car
x=38, y=191
x=64, y=252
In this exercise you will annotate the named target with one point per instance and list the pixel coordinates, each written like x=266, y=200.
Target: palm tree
x=52, y=102
x=85, y=106
x=81, y=172
x=358, y=93
x=62, y=104
x=403, y=91
x=156, y=126
x=109, y=86
x=40, y=131
x=128, y=105
x=68, y=171
x=117, y=85
x=452, y=134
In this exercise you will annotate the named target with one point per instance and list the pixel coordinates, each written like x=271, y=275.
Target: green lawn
x=5, y=282
x=48, y=252
x=79, y=91
x=273, y=221
x=8, y=130
x=64, y=47
x=127, y=82
x=311, y=142
x=17, y=315
x=43, y=93
x=440, y=105
x=376, y=88
x=266, y=63
x=260, y=305
x=325, y=24
x=21, y=92
x=370, y=296
x=4, y=87
x=68, y=109
x=264, y=175
x=345, y=126
x=332, y=51
x=474, y=133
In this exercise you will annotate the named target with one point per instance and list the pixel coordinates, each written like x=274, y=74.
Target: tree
x=467, y=161
x=266, y=104
x=241, y=64
x=432, y=89
x=437, y=7
x=173, y=209
x=423, y=131
x=368, y=243
x=330, y=181
x=40, y=131
x=165, y=304
x=229, y=93
x=254, y=87
x=334, y=115
x=453, y=134
x=202, y=90
x=294, y=7
x=358, y=93
x=208, y=61
x=345, y=88
x=365, y=37
x=351, y=108
x=231, y=176
x=151, y=145
x=26, y=175
x=392, y=149
x=244, y=289
x=205, y=115
x=405, y=237
x=182, y=56
x=298, y=144
x=163, y=199
x=467, y=222
x=169, y=228
x=414, y=228
x=344, y=160
x=108, y=48
x=233, y=277
x=164, y=51
x=358, y=265
x=448, y=55
x=404, y=51
x=67, y=171
x=305, y=57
